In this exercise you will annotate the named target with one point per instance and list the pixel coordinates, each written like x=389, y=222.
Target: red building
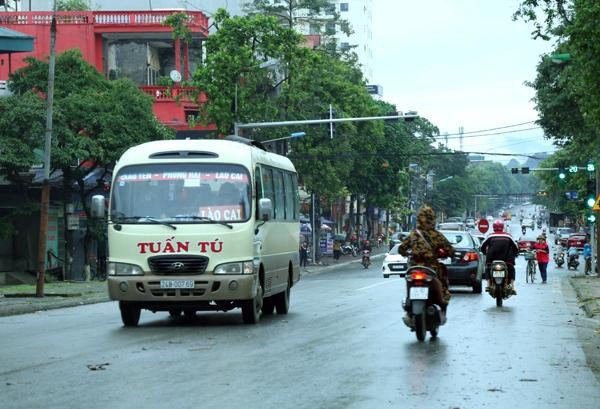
x=124, y=44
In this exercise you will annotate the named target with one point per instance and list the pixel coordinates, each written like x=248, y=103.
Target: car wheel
x=386, y=276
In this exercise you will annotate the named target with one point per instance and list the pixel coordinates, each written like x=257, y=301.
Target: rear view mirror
x=98, y=207
x=265, y=209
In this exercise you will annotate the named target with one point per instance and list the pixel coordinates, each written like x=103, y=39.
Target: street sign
x=597, y=205
x=483, y=225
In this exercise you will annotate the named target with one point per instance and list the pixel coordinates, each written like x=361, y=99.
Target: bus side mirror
x=265, y=209
x=98, y=207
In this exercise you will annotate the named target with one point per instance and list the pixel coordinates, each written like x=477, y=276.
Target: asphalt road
x=343, y=345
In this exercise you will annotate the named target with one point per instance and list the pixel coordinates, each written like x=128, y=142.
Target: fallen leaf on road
x=97, y=367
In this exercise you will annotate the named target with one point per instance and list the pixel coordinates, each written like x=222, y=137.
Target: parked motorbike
x=422, y=313
x=573, y=261
x=499, y=288
x=349, y=249
x=523, y=230
x=539, y=223
x=559, y=258
x=366, y=258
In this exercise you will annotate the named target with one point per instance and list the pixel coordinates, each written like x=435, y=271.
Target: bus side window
x=258, y=192
x=279, y=204
x=268, y=188
x=290, y=197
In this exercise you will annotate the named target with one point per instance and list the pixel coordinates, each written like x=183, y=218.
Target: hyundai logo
x=177, y=266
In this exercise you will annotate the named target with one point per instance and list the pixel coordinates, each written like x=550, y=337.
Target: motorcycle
x=349, y=249
x=499, y=288
x=366, y=258
x=523, y=230
x=422, y=313
x=559, y=258
x=539, y=224
x=573, y=261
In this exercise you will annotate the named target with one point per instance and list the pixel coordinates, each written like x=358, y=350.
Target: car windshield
x=181, y=193
x=394, y=250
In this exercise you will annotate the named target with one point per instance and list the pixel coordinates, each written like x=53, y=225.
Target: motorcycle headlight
x=123, y=269
x=242, y=267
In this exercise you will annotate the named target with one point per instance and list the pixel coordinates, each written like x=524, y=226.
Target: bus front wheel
x=252, y=309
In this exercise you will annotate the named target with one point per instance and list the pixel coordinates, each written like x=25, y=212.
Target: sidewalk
x=21, y=299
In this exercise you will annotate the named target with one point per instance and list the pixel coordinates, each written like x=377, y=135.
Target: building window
x=330, y=28
x=343, y=6
x=314, y=29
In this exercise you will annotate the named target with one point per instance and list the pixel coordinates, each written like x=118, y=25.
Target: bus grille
x=178, y=265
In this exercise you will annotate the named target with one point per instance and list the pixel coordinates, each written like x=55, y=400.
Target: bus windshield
x=181, y=193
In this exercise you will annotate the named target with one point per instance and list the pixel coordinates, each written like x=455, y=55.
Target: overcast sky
x=461, y=63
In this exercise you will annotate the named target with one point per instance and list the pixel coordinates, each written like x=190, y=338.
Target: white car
x=394, y=263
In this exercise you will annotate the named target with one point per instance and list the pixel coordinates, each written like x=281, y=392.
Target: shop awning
x=14, y=42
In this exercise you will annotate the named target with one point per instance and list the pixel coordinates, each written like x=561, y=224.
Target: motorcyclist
x=424, y=244
x=523, y=229
x=572, y=255
x=366, y=247
x=500, y=246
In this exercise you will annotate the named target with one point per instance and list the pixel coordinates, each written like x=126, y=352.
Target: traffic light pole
x=237, y=126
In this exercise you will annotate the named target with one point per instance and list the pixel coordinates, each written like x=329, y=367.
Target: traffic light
x=591, y=167
x=562, y=174
x=591, y=218
x=524, y=171
x=590, y=196
x=514, y=170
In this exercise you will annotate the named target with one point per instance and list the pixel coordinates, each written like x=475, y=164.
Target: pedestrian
x=304, y=254
x=587, y=257
x=337, y=249
x=542, y=255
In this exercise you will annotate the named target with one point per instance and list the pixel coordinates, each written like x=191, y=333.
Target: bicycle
x=530, y=270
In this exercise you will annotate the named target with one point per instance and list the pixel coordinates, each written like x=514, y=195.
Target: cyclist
x=542, y=255
x=500, y=245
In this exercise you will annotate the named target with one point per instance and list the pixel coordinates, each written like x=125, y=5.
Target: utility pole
x=45, y=199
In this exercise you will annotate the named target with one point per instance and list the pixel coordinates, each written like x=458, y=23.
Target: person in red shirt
x=542, y=255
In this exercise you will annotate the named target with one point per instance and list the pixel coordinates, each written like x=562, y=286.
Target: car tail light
x=470, y=256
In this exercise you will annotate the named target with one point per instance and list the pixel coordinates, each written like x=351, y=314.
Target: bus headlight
x=244, y=267
x=122, y=269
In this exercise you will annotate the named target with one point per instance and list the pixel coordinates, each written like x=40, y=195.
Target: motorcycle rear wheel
x=498, y=296
x=420, y=326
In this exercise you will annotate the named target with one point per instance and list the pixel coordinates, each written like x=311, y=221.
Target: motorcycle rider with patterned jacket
x=424, y=244
x=500, y=245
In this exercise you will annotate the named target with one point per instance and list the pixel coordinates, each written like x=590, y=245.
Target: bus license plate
x=498, y=274
x=176, y=283
x=419, y=293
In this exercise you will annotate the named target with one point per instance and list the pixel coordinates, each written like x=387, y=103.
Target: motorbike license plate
x=419, y=293
x=447, y=260
x=498, y=274
x=176, y=283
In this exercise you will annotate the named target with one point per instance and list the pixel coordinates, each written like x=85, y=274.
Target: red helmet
x=498, y=226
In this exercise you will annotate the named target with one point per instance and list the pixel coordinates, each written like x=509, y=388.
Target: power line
x=492, y=129
x=486, y=134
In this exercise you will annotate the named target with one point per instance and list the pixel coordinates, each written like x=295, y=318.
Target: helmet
x=498, y=226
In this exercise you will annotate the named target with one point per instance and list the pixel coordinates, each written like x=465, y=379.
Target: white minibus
x=202, y=225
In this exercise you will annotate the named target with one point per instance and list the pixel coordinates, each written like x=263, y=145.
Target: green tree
x=238, y=86
x=94, y=121
x=71, y=5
